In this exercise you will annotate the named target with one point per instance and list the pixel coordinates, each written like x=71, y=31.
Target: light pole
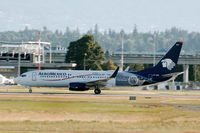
x=39, y=67
x=122, y=52
x=85, y=54
x=50, y=55
x=154, y=54
x=19, y=59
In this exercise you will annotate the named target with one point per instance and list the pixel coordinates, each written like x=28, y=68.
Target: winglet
x=115, y=73
x=127, y=69
x=179, y=42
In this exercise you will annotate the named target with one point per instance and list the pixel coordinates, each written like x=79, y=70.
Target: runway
x=103, y=94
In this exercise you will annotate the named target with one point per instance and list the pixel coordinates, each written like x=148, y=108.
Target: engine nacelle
x=78, y=86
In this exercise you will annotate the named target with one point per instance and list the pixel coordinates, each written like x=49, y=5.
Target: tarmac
x=102, y=94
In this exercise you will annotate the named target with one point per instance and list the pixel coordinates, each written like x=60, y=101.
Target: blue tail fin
x=167, y=64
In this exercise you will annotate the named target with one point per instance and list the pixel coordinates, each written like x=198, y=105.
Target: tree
x=136, y=67
x=85, y=51
x=197, y=73
x=109, y=65
x=135, y=31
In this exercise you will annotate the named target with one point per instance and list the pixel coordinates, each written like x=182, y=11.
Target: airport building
x=17, y=58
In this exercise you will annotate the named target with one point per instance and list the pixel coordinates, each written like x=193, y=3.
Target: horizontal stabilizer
x=127, y=69
x=172, y=74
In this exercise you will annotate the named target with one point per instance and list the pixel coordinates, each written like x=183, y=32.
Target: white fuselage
x=62, y=78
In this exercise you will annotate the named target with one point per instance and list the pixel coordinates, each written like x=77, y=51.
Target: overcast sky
x=148, y=15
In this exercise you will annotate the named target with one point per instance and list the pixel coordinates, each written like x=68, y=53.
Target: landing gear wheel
x=30, y=90
x=97, y=91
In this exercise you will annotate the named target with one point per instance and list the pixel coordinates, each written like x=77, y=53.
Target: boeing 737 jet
x=76, y=80
x=163, y=71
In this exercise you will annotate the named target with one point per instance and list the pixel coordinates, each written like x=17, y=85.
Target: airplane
x=163, y=71
x=76, y=80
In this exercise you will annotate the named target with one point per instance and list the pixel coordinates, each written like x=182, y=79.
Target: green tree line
x=110, y=40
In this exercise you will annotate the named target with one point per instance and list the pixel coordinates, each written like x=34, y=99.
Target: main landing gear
x=30, y=90
x=97, y=90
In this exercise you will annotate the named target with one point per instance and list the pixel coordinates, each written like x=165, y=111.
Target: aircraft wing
x=102, y=82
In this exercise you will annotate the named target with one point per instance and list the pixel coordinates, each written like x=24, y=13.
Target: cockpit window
x=23, y=75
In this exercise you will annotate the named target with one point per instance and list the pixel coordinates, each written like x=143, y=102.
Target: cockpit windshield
x=23, y=75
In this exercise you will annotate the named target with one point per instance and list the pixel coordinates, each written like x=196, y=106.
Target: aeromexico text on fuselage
x=56, y=76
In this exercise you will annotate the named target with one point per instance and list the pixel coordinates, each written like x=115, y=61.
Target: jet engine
x=76, y=86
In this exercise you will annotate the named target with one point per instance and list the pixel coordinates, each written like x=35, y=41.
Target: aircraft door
x=34, y=76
